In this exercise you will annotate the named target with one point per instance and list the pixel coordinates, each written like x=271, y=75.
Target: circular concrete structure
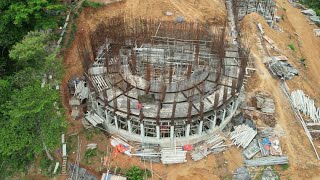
x=161, y=86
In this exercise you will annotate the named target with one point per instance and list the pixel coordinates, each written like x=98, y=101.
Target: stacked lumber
x=173, y=155
x=214, y=144
x=267, y=161
x=265, y=103
x=242, y=135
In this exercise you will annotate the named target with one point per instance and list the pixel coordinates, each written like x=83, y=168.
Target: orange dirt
x=303, y=162
x=295, y=144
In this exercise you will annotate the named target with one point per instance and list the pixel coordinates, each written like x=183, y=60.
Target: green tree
x=32, y=119
x=134, y=173
x=32, y=50
x=19, y=17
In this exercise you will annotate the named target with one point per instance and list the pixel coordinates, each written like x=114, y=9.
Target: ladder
x=64, y=165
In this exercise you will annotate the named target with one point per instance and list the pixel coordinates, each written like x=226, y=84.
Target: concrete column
x=234, y=105
x=142, y=130
x=213, y=123
x=107, y=117
x=116, y=122
x=223, y=115
x=129, y=126
x=200, y=128
x=171, y=132
x=188, y=130
x=98, y=109
x=158, y=131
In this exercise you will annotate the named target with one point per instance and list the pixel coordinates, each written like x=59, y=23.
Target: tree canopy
x=31, y=114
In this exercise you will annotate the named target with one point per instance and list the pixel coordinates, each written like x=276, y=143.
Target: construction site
x=208, y=89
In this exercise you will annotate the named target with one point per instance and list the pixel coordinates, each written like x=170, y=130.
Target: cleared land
x=303, y=164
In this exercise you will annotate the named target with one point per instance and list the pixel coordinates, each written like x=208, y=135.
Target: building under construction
x=154, y=81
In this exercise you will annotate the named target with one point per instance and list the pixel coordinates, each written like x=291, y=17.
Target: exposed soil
x=303, y=164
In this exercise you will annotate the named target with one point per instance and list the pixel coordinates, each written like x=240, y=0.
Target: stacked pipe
x=306, y=105
x=148, y=152
x=217, y=143
x=267, y=161
x=173, y=155
x=242, y=135
x=214, y=144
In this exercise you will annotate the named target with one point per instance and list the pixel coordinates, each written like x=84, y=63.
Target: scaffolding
x=160, y=80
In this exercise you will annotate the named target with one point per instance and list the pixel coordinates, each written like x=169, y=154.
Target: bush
x=87, y=3
x=90, y=153
x=291, y=46
x=285, y=166
x=134, y=173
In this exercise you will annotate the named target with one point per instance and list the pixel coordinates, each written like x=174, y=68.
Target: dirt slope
x=303, y=163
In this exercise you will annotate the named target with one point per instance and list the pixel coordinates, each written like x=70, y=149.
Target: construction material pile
x=173, y=155
x=306, y=105
x=214, y=144
x=264, y=102
x=242, y=135
x=120, y=145
x=149, y=152
x=267, y=161
x=312, y=15
x=282, y=69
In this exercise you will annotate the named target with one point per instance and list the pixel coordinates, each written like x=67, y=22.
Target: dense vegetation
x=31, y=115
x=314, y=4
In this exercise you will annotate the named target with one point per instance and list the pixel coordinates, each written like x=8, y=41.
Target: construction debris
x=168, y=13
x=312, y=15
x=74, y=101
x=269, y=132
x=120, y=145
x=306, y=105
x=75, y=113
x=251, y=150
x=241, y=173
x=264, y=146
x=149, y=152
x=91, y=146
x=109, y=176
x=309, y=12
x=242, y=135
x=269, y=174
x=282, y=69
x=214, y=144
x=315, y=19
x=82, y=173
x=56, y=168
x=173, y=155
x=275, y=148
x=93, y=118
x=81, y=90
x=316, y=32
x=264, y=102
x=180, y=19
x=267, y=161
